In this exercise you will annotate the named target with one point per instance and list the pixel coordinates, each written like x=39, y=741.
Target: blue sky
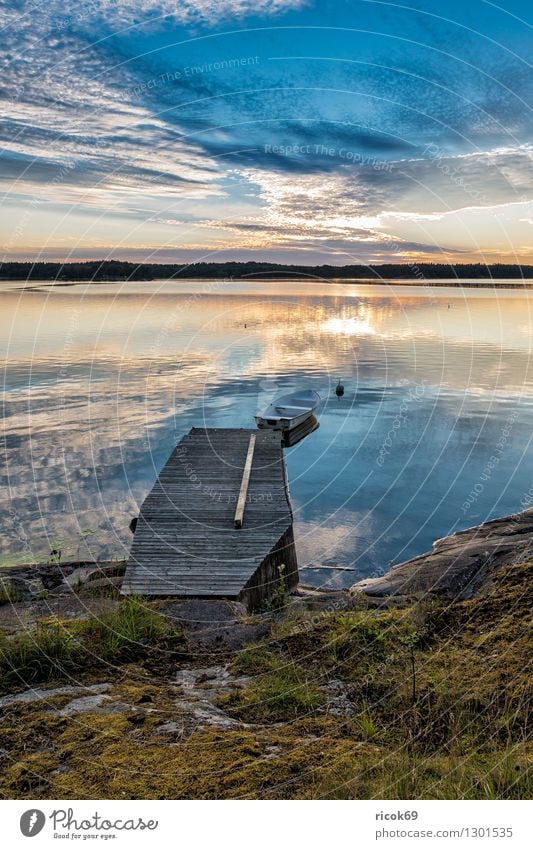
x=282, y=130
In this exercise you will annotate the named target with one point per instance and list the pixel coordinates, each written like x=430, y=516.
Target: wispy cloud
x=258, y=125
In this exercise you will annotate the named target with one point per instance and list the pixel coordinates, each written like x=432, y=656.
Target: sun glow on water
x=349, y=326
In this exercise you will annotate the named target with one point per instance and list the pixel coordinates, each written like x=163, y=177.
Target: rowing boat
x=289, y=411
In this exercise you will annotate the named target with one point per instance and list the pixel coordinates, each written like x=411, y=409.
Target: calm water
x=101, y=381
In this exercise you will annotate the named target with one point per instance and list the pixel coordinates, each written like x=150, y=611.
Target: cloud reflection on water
x=100, y=386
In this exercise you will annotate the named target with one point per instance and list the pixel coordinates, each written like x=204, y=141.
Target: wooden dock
x=217, y=522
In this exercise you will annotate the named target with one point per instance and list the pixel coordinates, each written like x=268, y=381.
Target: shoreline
x=270, y=705
x=456, y=567
x=467, y=283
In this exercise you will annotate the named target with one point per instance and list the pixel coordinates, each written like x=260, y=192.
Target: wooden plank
x=241, y=501
x=185, y=542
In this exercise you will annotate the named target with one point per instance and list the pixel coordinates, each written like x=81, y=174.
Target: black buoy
x=339, y=389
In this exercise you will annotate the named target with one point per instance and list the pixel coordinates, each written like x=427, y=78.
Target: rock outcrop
x=459, y=564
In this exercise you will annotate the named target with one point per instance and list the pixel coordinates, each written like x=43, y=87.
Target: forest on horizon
x=105, y=270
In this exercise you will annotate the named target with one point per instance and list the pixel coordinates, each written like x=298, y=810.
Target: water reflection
x=100, y=382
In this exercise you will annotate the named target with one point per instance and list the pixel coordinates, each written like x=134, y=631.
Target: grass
x=254, y=660
x=279, y=690
x=409, y=775
x=367, y=726
x=57, y=648
x=122, y=633
x=281, y=694
x=433, y=687
x=8, y=593
x=463, y=732
x=281, y=597
x=30, y=657
x=359, y=634
x=22, y=558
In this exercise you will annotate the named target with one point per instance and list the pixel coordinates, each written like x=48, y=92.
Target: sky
x=297, y=131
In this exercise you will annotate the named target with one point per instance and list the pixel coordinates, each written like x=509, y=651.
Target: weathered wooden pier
x=217, y=522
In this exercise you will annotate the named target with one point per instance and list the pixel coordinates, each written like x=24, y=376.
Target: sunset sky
x=298, y=131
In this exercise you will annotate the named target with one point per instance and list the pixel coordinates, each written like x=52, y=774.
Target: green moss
x=59, y=758
x=463, y=735
x=254, y=660
x=281, y=690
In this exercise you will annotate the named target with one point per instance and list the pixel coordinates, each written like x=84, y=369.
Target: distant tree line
x=100, y=271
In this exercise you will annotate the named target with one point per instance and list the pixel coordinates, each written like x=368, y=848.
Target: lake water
x=431, y=436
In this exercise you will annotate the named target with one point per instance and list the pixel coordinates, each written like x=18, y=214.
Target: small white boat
x=288, y=411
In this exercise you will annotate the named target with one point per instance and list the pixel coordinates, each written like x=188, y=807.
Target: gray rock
x=204, y=713
x=200, y=689
x=216, y=624
x=459, y=564
x=233, y=637
x=37, y=694
x=170, y=728
x=35, y=587
x=94, y=704
x=78, y=576
x=208, y=681
x=203, y=612
x=83, y=705
x=339, y=704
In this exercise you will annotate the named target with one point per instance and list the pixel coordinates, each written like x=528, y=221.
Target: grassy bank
x=58, y=649
x=427, y=701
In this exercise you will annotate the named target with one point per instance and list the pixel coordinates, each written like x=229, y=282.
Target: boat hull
x=282, y=423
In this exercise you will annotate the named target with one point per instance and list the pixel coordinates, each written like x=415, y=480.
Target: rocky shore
x=460, y=564
x=413, y=685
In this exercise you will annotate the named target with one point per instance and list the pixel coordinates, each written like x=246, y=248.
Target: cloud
x=335, y=252
x=167, y=115
x=357, y=195
x=68, y=95
x=128, y=12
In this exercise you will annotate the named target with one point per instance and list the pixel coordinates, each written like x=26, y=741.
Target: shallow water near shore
x=432, y=435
